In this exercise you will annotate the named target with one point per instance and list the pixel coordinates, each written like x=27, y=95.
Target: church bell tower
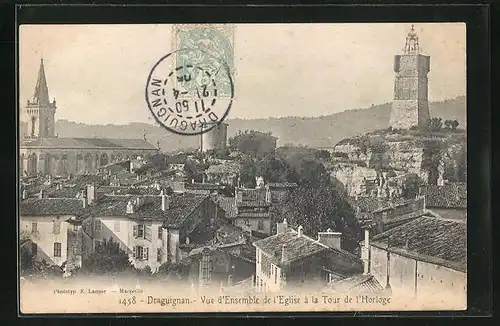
x=39, y=113
x=410, y=107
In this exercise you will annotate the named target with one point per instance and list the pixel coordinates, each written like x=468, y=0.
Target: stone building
x=421, y=258
x=410, y=106
x=43, y=152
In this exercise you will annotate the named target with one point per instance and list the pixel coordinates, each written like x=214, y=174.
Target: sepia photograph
x=190, y=168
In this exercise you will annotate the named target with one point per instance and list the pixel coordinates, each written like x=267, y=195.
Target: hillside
x=324, y=131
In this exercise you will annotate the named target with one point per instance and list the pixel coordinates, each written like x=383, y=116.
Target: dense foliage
x=317, y=207
x=251, y=142
x=107, y=258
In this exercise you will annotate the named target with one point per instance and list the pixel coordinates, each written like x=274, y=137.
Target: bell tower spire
x=410, y=107
x=39, y=113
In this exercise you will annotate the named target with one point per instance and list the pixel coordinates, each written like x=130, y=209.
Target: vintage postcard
x=242, y=168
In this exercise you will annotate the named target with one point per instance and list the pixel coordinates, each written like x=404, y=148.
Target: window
x=142, y=232
x=258, y=255
x=276, y=275
x=97, y=225
x=75, y=227
x=57, y=249
x=160, y=232
x=75, y=250
x=116, y=226
x=141, y=253
x=261, y=224
x=34, y=249
x=34, y=227
x=56, y=228
x=158, y=255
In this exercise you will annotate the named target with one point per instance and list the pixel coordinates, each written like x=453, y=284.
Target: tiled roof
x=253, y=214
x=361, y=283
x=227, y=233
x=253, y=203
x=430, y=239
x=296, y=247
x=204, y=186
x=228, y=204
x=301, y=247
x=281, y=185
x=124, y=190
x=253, y=194
x=224, y=168
x=372, y=204
x=51, y=206
x=90, y=143
x=452, y=195
x=66, y=192
x=180, y=208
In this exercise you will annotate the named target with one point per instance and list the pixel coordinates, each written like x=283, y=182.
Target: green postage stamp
x=210, y=47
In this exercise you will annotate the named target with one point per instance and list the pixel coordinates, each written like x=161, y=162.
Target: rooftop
x=361, y=283
x=432, y=239
x=51, y=206
x=451, y=195
x=90, y=143
x=224, y=168
x=180, y=207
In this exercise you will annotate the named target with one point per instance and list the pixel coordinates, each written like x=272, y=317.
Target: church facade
x=42, y=152
x=410, y=107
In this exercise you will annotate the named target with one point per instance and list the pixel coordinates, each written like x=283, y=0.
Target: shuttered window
x=57, y=249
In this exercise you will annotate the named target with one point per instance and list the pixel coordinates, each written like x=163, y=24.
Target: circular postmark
x=183, y=91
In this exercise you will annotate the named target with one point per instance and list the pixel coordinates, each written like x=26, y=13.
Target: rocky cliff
x=387, y=158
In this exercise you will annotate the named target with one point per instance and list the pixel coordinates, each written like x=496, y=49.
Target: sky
x=98, y=73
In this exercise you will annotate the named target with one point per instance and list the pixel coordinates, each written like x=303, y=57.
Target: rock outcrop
x=381, y=163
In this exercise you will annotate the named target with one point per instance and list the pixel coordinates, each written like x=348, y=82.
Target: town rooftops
x=297, y=248
x=124, y=190
x=226, y=168
x=451, y=195
x=204, y=186
x=372, y=204
x=252, y=194
x=253, y=203
x=361, y=283
x=180, y=207
x=281, y=185
x=228, y=205
x=431, y=239
x=90, y=143
x=51, y=206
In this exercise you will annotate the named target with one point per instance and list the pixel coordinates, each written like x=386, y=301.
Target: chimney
x=165, y=202
x=130, y=207
x=283, y=253
x=282, y=227
x=330, y=239
x=90, y=193
x=138, y=201
x=131, y=166
x=365, y=253
x=25, y=194
x=40, y=194
x=299, y=231
x=84, y=201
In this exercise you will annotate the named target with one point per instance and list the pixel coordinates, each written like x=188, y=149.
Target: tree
x=454, y=124
x=317, y=207
x=322, y=154
x=108, y=258
x=173, y=271
x=30, y=267
x=435, y=124
x=447, y=124
x=411, y=186
x=275, y=169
